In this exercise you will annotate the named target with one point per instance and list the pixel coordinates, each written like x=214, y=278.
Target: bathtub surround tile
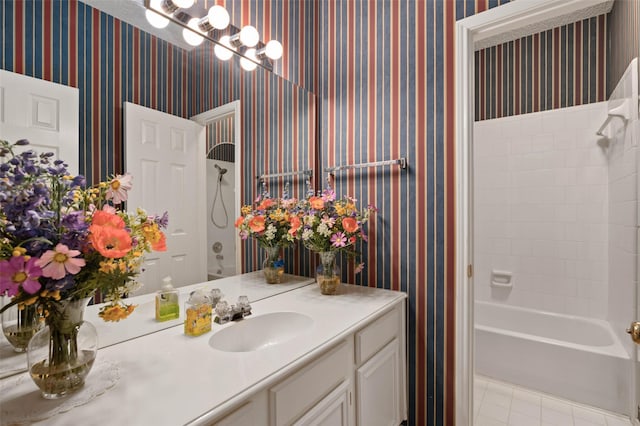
x=494, y=411
x=617, y=421
x=518, y=419
x=496, y=398
x=529, y=409
x=487, y=421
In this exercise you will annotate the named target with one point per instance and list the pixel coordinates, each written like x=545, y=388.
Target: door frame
x=491, y=27
x=232, y=107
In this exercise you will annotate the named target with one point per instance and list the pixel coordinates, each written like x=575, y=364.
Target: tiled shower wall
x=540, y=183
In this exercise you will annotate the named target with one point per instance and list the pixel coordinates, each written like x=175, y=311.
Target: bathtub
x=221, y=271
x=576, y=358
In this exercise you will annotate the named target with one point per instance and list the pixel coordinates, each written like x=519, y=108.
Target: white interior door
x=45, y=113
x=165, y=155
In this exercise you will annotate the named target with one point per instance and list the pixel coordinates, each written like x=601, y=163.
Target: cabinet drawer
x=377, y=334
x=293, y=397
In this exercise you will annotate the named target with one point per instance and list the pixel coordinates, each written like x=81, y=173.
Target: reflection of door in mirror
x=223, y=188
x=163, y=155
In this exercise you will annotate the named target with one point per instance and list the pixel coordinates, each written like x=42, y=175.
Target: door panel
x=45, y=113
x=166, y=156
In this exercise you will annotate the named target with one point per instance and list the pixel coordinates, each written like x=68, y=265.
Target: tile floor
x=503, y=404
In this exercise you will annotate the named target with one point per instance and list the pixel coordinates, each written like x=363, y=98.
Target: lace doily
x=23, y=404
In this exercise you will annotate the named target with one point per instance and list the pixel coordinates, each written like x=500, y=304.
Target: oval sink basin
x=260, y=332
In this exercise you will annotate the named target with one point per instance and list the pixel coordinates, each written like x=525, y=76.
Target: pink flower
x=118, y=187
x=58, y=262
x=359, y=268
x=338, y=239
x=16, y=273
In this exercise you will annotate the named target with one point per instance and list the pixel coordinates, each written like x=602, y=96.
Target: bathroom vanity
x=301, y=358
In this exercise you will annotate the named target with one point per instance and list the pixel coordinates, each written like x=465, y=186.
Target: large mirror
x=274, y=132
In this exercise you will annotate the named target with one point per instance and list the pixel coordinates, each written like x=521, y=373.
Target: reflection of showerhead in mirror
x=221, y=171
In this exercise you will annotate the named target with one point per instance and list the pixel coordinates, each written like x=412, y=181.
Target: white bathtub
x=571, y=357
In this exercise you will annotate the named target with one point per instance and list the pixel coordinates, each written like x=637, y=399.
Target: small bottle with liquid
x=198, y=314
x=167, y=304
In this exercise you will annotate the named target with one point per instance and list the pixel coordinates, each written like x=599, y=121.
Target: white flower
x=306, y=234
x=324, y=230
x=270, y=232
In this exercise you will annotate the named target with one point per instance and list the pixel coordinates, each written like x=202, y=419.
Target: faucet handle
x=222, y=309
x=243, y=302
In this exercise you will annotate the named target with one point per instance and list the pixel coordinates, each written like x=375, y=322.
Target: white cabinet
x=377, y=388
x=380, y=370
x=333, y=410
x=360, y=380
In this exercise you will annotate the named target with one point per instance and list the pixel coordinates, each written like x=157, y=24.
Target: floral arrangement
x=62, y=241
x=273, y=222
x=333, y=225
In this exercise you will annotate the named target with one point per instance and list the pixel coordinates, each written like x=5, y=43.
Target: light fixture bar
x=402, y=162
x=170, y=4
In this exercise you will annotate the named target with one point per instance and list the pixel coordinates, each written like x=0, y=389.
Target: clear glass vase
x=61, y=354
x=19, y=324
x=273, y=265
x=328, y=273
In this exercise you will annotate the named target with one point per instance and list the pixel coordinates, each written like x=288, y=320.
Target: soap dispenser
x=198, y=313
x=167, y=305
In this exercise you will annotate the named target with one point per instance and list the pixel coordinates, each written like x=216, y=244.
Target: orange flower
x=265, y=204
x=239, y=221
x=103, y=218
x=257, y=224
x=317, y=203
x=159, y=243
x=349, y=224
x=110, y=242
x=295, y=224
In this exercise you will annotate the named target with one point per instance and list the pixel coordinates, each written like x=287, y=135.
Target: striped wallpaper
x=623, y=25
x=386, y=90
x=382, y=72
x=558, y=68
x=278, y=133
x=221, y=139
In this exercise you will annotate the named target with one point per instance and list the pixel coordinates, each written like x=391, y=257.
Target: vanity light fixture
x=195, y=29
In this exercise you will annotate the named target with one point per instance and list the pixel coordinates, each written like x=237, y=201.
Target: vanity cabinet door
x=378, y=393
x=333, y=410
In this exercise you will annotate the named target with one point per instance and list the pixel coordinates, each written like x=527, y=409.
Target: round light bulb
x=218, y=17
x=249, y=64
x=249, y=36
x=154, y=17
x=191, y=36
x=222, y=53
x=273, y=50
x=183, y=4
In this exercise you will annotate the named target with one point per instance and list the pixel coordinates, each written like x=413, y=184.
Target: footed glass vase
x=61, y=354
x=328, y=273
x=19, y=324
x=273, y=265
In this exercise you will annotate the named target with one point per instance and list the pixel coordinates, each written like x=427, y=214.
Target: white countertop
x=167, y=378
x=142, y=320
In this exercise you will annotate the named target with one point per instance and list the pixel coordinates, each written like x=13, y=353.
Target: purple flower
x=338, y=239
x=16, y=273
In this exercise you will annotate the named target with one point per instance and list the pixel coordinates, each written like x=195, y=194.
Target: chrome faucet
x=225, y=312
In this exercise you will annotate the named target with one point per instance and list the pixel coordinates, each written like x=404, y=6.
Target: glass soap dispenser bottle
x=198, y=313
x=167, y=304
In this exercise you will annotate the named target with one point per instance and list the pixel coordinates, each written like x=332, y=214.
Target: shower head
x=221, y=170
